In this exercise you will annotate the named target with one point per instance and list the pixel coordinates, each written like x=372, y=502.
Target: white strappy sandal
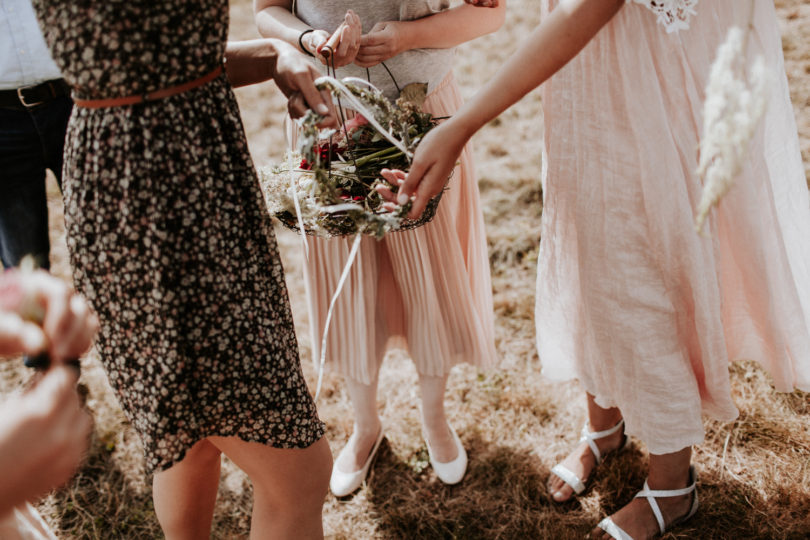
x=616, y=532
x=591, y=437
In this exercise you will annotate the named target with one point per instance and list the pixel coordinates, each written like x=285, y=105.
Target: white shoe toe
x=344, y=483
x=453, y=471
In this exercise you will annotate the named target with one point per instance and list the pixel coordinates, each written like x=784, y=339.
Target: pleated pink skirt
x=631, y=301
x=426, y=290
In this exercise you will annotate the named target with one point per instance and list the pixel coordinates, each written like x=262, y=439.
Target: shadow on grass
x=503, y=495
x=100, y=502
x=729, y=509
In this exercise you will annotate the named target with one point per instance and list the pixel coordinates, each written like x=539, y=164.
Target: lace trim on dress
x=672, y=14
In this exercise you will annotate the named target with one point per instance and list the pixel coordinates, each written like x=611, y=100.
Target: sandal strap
x=652, y=494
x=592, y=436
x=569, y=478
x=613, y=530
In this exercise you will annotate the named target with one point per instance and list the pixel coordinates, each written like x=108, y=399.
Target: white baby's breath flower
x=735, y=102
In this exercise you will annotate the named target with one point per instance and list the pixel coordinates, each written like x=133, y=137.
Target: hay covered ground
x=754, y=472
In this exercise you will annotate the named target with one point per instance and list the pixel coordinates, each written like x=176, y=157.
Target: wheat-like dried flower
x=735, y=102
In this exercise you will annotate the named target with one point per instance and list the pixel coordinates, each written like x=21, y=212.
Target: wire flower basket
x=326, y=187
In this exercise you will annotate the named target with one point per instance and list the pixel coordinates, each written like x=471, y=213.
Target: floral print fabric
x=168, y=234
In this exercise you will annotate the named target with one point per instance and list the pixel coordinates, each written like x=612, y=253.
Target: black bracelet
x=301, y=42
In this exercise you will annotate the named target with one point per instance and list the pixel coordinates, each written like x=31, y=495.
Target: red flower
x=305, y=165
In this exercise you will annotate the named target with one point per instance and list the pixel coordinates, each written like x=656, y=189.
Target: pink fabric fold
x=426, y=290
x=631, y=301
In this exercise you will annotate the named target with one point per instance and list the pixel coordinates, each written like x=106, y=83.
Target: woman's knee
x=306, y=478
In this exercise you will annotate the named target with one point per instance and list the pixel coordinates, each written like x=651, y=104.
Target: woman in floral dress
x=170, y=242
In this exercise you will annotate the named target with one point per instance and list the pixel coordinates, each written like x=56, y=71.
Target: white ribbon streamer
x=343, y=277
x=297, y=203
x=361, y=108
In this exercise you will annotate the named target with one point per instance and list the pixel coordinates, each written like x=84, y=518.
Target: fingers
x=79, y=336
x=412, y=187
x=420, y=200
x=20, y=337
x=56, y=389
x=342, y=46
x=68, y=424
x=395, y=177
x=350, y=37
x=307, y=96
x=411, y=182
x=419, y=186
x=371, y=55
x=329, y=120
x=313, y=42
x=56, y=296
x=376, y=46
x=386, y=193
x=296, y=105
x=327, y=50
x=67, y=324
x=482, y=3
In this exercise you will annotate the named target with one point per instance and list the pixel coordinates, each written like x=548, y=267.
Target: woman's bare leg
x=434, y=419
x=366, y=426
x=289, y=486
x=667, y=471
x=185, y=494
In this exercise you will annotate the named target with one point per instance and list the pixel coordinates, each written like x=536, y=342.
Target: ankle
x=368, y=429
x=668, y=479
x=604, y=420
x=436, y=430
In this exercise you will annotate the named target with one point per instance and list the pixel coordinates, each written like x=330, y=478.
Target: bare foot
x=637, y=518
x=442, y=444
x=359, y=446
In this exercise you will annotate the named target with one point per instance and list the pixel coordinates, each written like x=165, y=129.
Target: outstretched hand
x=433, y=162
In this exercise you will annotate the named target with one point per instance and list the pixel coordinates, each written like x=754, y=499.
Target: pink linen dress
x=631, y=301
x=427, y=290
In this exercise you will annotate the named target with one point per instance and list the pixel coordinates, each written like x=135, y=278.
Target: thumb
x=412, y=181
x=371, y=37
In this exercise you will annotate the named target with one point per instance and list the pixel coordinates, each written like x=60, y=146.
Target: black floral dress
x=168, y=234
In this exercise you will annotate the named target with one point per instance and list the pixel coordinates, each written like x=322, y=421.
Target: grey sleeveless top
x=418, y=65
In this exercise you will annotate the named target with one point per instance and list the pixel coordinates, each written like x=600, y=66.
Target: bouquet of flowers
x=327, y=186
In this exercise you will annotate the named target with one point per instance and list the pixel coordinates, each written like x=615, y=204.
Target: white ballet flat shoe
x=344, y=483
x=453, y=471
x=618, y=533
x=567, y=476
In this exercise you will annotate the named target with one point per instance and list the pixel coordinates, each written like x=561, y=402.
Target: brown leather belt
x=28, y=97
x=150, y=96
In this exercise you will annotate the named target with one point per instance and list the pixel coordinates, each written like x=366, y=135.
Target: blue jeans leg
x=31, y=141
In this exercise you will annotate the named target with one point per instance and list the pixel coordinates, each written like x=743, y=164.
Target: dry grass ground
x=754, y=472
